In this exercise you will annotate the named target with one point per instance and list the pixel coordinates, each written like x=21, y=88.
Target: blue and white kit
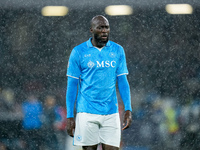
x=97, y=71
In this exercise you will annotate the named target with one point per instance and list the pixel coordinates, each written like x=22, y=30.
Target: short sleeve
x=73, y=68
x=122, y=67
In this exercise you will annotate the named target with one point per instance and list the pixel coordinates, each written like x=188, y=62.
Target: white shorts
x=92, y=129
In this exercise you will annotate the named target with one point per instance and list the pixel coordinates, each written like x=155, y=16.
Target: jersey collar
x=89, y=43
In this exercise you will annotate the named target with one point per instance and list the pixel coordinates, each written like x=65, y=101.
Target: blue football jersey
x=97, y=71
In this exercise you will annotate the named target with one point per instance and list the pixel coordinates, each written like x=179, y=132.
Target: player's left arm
x=124, y=90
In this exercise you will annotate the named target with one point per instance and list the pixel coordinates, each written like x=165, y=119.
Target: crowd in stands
x=162, y=122
x=33, y=124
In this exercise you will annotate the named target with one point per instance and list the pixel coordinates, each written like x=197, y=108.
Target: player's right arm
x=70, y=101
x=73, y=73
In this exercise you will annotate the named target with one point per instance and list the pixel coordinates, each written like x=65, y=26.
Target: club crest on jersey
x=90, y=64
x=112, y=55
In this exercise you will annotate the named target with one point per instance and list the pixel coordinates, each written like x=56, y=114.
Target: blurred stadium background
x=161, y=41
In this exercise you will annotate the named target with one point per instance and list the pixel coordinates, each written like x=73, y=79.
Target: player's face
x=101, y=30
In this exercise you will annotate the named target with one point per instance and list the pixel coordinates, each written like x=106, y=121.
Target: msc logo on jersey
x=102, y=64
x=90, y=64
x=106, y=64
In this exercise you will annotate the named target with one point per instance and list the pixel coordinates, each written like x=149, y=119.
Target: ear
x=91, y=30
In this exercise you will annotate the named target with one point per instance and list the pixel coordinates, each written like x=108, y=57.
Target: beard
x=100, y=42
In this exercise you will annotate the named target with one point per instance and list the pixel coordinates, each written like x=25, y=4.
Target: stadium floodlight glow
x=118, y=10
x=179, y=9
x=54, y=11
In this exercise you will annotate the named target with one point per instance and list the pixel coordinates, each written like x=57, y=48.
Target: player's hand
x=70, y=126
x=127, y=120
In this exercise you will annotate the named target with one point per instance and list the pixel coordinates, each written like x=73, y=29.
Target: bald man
x=95, y=66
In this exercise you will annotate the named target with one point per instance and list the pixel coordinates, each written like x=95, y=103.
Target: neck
x=98, y=44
